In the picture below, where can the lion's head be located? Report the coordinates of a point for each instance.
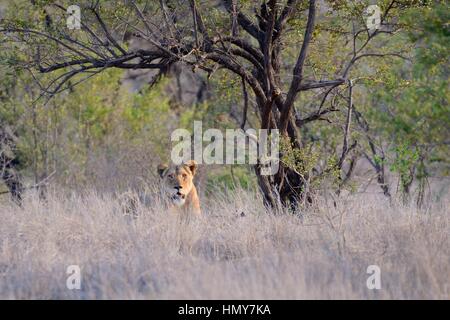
(178, 180)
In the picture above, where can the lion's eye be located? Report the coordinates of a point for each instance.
(184, 175)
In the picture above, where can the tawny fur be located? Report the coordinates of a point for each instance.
(178, 181)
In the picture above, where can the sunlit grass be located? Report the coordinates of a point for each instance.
(324, 253)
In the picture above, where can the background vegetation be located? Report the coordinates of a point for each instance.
(111, 130)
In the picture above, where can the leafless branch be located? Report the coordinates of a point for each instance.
(298, 69)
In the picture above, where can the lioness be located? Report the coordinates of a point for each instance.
(178, 181)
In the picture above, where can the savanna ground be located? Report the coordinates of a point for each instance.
(320, 253)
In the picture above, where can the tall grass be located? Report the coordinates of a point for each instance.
(321, 253)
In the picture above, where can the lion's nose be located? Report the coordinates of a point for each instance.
(178, 187)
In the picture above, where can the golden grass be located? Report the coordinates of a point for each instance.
(322, 254)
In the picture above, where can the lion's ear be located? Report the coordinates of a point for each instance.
(162, 168)
(192, 165)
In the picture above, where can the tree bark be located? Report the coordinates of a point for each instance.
(8, 165)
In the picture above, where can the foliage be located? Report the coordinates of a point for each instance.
(410, 104)
(75, 131)
(399, 75)
(306, 160)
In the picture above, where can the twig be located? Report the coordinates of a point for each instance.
(41, 183)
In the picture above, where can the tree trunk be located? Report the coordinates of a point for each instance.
(286, 187)
(8, 165)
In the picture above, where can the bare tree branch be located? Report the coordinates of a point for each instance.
(298, 69)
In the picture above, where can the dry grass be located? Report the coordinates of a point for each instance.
(323, 254)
